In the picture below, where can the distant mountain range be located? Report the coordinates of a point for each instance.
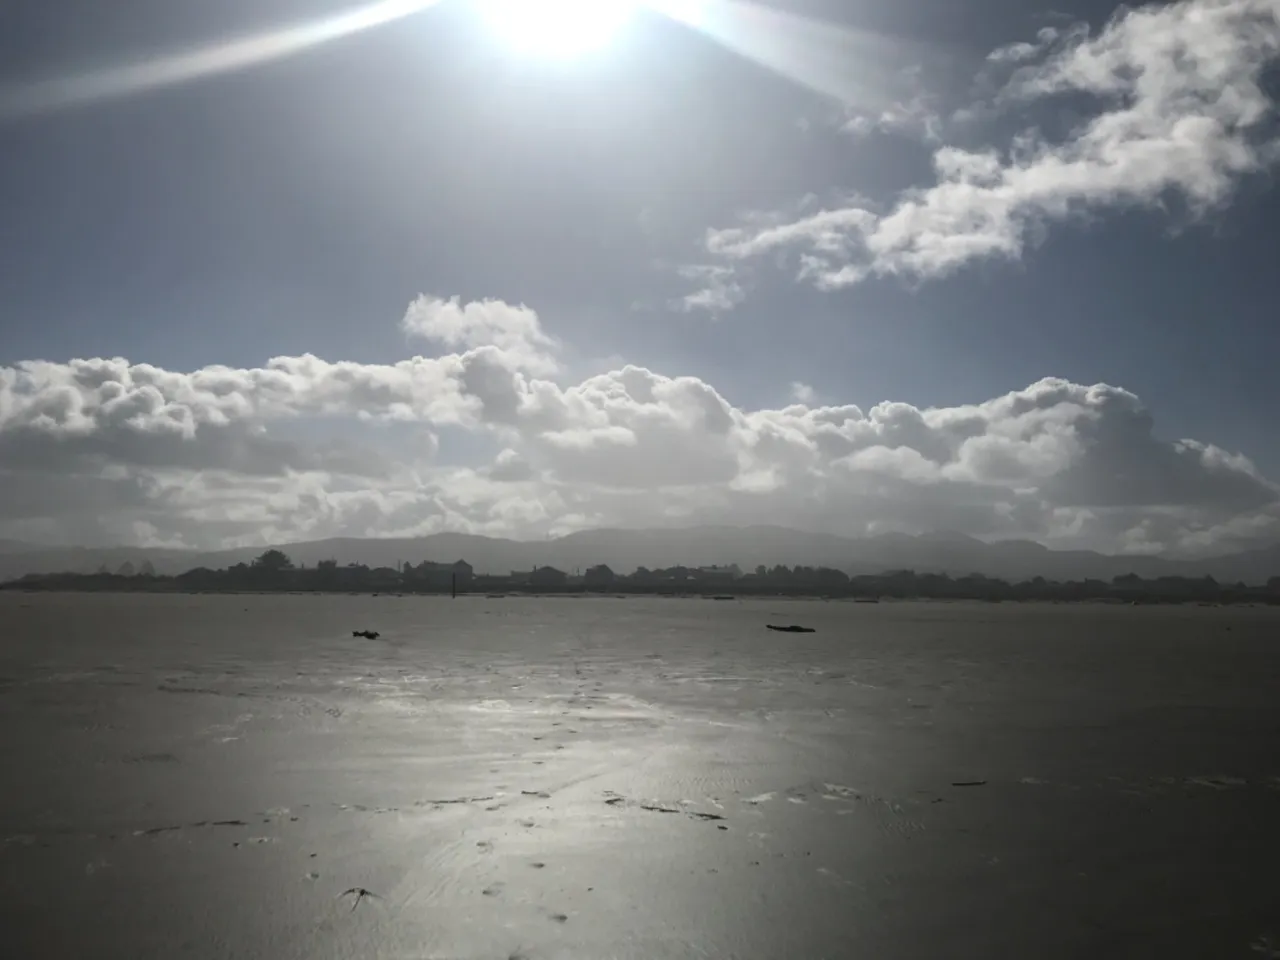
(624, 550)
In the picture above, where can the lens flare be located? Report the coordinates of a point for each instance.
(174, 68)
(861, 69)
(557, 28)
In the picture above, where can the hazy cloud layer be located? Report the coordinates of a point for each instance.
(104, 451)
(1179, 112)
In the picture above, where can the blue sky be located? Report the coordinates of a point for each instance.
(801, 207)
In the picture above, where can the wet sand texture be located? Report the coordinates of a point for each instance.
(643, 779)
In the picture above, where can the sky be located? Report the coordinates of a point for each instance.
(289, 269)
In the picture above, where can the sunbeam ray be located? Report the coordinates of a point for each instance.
(860, 69)
(59, 93)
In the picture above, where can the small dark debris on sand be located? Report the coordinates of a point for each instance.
(790, 629)
(359, 893)
(441, 803)
(155, 831)
(968, 783)
(618, 801)
(654, 808)
(367, 634)
(171, 828)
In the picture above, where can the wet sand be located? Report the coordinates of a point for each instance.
(641, 778)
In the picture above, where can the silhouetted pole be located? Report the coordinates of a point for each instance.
(454, 586)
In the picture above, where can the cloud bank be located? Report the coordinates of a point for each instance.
(1179, 113)
(106, 451)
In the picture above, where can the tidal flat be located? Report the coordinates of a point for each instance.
(645, 778)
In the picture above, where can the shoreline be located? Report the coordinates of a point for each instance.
(1252, 602)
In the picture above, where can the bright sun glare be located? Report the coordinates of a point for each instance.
(557, 28)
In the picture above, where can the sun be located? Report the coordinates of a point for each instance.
(557, 28)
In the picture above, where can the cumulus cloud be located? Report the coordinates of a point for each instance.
(108, 451)
(515, 331)
(509, 466)
(1180, 110)
(219, 416)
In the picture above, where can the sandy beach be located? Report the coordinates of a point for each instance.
(238, 776)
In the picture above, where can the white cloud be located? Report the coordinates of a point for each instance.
(802, 393)
(108, 451)
(719, 289)
(513, 330)
(143, 414)
(918, 116)
(1023, 51)
(1181, 112)
(509, 466)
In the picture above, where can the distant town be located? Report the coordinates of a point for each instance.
(275, 572)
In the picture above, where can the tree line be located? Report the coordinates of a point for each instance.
(274, 571)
